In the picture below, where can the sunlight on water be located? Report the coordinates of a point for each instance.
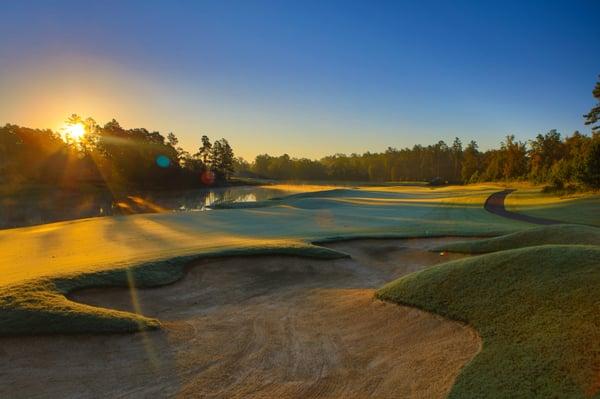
(216, 198)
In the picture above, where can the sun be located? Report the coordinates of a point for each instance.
(73, 131)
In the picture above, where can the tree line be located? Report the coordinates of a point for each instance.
(548, 158)
(110, 154)
(147, 159)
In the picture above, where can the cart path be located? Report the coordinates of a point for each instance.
(495, 205)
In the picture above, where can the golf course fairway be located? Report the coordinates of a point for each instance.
(490, 306)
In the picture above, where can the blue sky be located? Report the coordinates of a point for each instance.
(306, 78)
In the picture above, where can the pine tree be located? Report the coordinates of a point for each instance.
(204, 152)
(593, 117)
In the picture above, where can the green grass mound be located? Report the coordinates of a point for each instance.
(556, 234)
(41, 306)
(536, 309)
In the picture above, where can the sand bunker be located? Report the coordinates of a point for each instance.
(261, 327)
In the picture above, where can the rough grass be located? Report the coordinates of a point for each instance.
(536, 309)
(554, 234)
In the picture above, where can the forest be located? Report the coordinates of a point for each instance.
(548, 158)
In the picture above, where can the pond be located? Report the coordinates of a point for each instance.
(46, 206)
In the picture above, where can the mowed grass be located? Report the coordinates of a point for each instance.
(535, 307)
(39, 265)
(554, 234)
(576, 208)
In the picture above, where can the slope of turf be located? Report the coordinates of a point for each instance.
(555, 234)
(41, 306)
(536, 309)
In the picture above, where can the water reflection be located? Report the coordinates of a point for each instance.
(67, 205)
(215, 197)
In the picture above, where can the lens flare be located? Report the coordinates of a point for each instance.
(163, 161)
(208, 177)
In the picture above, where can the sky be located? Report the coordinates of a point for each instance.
(301, 77)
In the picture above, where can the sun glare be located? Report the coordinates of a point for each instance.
(74, 132)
